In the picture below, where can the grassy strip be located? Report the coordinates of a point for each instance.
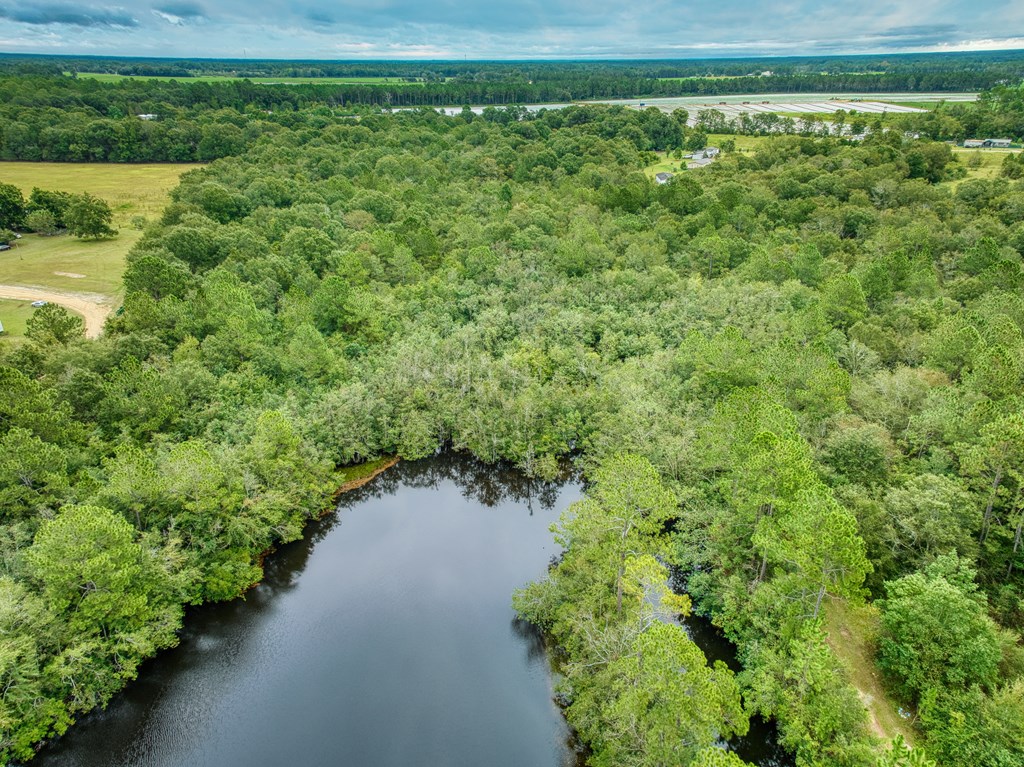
(113, 78)
(852, 634)
(351, 477)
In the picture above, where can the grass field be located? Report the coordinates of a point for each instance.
(14, 315)
(67, 263)
(989, 162)
(743, 143)
(665, 164)
(111, 78)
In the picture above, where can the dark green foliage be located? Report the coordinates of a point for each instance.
(53, 324)
(88, 217)
(12, 207)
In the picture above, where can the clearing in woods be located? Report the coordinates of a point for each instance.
(82, 270)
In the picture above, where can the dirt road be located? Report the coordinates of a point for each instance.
(91, 306)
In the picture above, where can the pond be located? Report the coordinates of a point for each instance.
(385, 637)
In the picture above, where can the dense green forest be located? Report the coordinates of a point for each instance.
(916, 71)
(47, 116)
(792, 377)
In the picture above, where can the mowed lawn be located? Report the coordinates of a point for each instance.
(89, 266)
(13, 316)
(111, 78)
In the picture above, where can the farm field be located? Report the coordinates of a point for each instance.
(912, 101)
(111, 78)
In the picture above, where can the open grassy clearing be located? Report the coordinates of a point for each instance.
(852, 633)
(83, 266)
(67, 263)
(980, 163)
(13, 316)
(112, 78)
(130, 190)
(743, 143)
(665, 164)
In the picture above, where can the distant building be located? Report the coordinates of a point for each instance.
(988, 143)
(146, 117)
(707, 154)
(663, 178)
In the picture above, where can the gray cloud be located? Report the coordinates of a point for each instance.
(62, 13)
(339, 29)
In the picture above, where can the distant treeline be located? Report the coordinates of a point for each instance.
(65, 119)
(986, 67)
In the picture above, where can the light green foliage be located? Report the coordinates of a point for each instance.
(33, 475)
(843, 301)
(717, 757)
(901, 755)
(929, 516)
(967, 728)
(96, 576)
(641, 691)
(657, 704)
(42, 221)
(936, 633)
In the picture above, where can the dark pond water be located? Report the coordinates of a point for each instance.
(385, 637)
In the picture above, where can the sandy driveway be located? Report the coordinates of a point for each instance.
(90, 306)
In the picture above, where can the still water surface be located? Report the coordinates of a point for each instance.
(386, 637)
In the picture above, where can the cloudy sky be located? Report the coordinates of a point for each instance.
(349, 29)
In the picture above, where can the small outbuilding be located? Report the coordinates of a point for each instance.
(663, 178)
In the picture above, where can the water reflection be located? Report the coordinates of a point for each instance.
(384, 638)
